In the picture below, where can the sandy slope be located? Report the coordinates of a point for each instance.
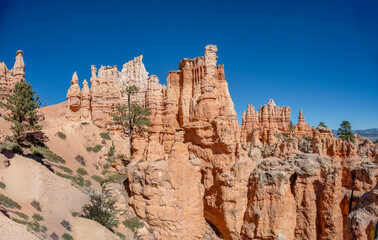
(11, 230)
(27, 181)
(85, 229)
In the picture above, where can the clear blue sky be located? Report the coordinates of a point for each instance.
(321, 56)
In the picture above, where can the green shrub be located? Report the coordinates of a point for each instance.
(75, 214)
(61, 135)
(89, 149)
(2, 185)
(43, 229)
(103, 142)
(105, 135)
(65, 169)
(34, 226)
(37, 217)
(54, 236)
(97, 179)
(7, 202)
(87, 183)
(66, 225)
(101, 211)
(79, 180)
(97, 148)
(80, 159)
(82, 171)
(36, 205)
(47, 153)
(67, 236)
(19, 221)
(22, 215)
(11, 146)
(133, 223)
(121, 236)
(114, 178)
(63, 175)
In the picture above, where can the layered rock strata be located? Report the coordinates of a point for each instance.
(192, 169)
(8, 78)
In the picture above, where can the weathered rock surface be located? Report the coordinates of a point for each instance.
(192, 170)
(8, 78)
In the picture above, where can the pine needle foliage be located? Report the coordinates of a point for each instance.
(101, 211)
(345, 131)
(23, 105)
(131, 117)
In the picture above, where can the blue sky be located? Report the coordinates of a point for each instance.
(319, 56)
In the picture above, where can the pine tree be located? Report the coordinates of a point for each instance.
(103, 212)
(345, 131)
(23, 106)
(322, 124)
(131, 117)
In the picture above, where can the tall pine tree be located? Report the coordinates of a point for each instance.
(345, 131)
(131, 117)
(23, 107)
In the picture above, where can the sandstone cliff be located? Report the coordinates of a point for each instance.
(194, 167)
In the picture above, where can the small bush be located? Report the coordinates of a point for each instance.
(97, 179)
(103, 142)
(61, 135)
(37, 206)
(2, 185)
(7, 202)
(82, 171)
(63, 175)
(22, 215)
(66, 225)
(43, 229)
(65, 169)
(11, 146)
(37, 217)
(101, 211)
(75, 214)
(67, 236)
(114, 178)
(121, 236)
(47, 153)
(89, 149)
(105, 135)
(34, 226)
(87, 183)
(54, 236)
(81, 159)
(97, 148)
(133, 223)
(79, 180)
(20, 221)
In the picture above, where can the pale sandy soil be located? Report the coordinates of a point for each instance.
(11, 230)
(28, 180)
(85, 229)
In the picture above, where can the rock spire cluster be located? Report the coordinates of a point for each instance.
(193, 166)
(8, 78)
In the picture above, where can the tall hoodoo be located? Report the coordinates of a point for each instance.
(8, 78)
(19, 66)
(302, 128)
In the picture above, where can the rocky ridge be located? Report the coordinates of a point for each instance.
(193, 169)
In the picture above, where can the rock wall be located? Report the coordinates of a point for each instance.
(192, 169)
(270, 119)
